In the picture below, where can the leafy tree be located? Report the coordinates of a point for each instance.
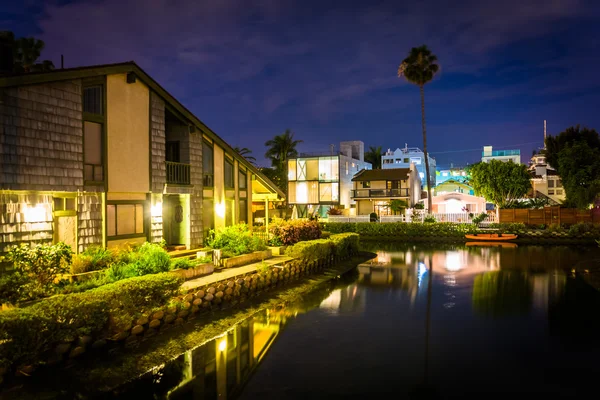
(276, 176)
(554, 144)
(26, 52)
(245, 152)
(373, 156)
(580, 173)
(281, 148)
(397, 206)
(575, 153)
(500, 182)
(419, 68)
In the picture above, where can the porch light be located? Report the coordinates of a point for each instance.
(36, 213)
(220, 209)
(156, 209)
(223, 344)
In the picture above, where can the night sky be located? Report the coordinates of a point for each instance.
(327, 69)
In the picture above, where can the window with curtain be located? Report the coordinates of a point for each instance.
(124, 219)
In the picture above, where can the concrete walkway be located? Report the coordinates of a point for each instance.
(229, 273)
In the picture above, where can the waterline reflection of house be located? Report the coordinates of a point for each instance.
(103, 155)
(455, 196)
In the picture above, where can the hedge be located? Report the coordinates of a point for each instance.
(323, 249)
(294, 231)
(27, 333)
(446, 229)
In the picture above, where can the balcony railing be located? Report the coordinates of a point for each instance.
(370, 193)
(178, 173)
(501, 153)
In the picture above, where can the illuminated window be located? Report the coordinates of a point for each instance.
(291, 170)
(312, 169)
(301, 171)
(366, 184)
(292, 192)
(325, 192)
(347, 167)
(329, 169)
(125, 219)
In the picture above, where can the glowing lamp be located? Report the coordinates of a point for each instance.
(220, 210)
(223, 344)
(156, 210)
(34, 214)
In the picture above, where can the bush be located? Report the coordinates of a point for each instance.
(334, 211)
(345, 244)
(182, 263)
(429, 219)
(291, 232)
(479, 218)
(325, 235)
(150, 258)
(438, 229)
(92, 259)
(311, 251)
(28, 333)
(236, 240)
(581, 228)
(37, 267)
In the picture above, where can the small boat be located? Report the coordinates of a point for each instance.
(491, 236)
(492, 244)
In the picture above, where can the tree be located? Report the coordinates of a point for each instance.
(500, 182)
(373, 156)
(580, 173)
(419, 68)
(26, 52)
(397, 206)
(554, 144)
(245, 152)
(575, 153)
(280, 148)
(276, 177)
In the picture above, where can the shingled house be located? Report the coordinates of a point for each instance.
(103, 155)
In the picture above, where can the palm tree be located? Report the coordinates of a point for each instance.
(245, 152)
(373, 156)
(419, 68)
(280, 148)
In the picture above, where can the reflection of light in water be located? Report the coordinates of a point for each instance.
(333, 301)
(454, 261)
(383, 257)
(421, 271)
(450, 280)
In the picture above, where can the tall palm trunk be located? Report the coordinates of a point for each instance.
(422, 87)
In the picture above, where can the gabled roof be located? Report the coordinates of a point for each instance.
(393, 174)
(34, 78)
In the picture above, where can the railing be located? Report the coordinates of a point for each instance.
(368, 193)
(341, 218)
(501, 153)
(178, 173)
(456, 218)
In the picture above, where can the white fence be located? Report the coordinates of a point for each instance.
(457, 218)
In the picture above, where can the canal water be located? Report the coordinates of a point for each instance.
(418, 321)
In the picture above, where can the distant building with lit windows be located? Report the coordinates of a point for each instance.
(402, 158)
(501, 155)
(317, 182)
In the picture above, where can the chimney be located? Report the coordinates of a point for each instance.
(7, 43)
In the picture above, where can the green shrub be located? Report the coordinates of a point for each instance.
(438, 229)
(429, 219)
(294, 231)
(236, 240)
(93, 258)
(325, 235)
(203, 260)
(345, 243)
(29, 332)
(182, 263)
(12, 286)
(582, 228)
(38, 267)
(275, 241)
(151, 258)
(311, 251)
(479, 218)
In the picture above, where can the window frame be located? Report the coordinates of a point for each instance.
(366, 184)
(204, 173)
(228, 160)
(244, 173)
(116, 203)
(98, 119)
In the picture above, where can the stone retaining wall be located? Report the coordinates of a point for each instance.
(187, 306)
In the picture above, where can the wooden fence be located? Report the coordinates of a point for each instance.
(550, 215)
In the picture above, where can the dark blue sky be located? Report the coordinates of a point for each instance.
(327, 69)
